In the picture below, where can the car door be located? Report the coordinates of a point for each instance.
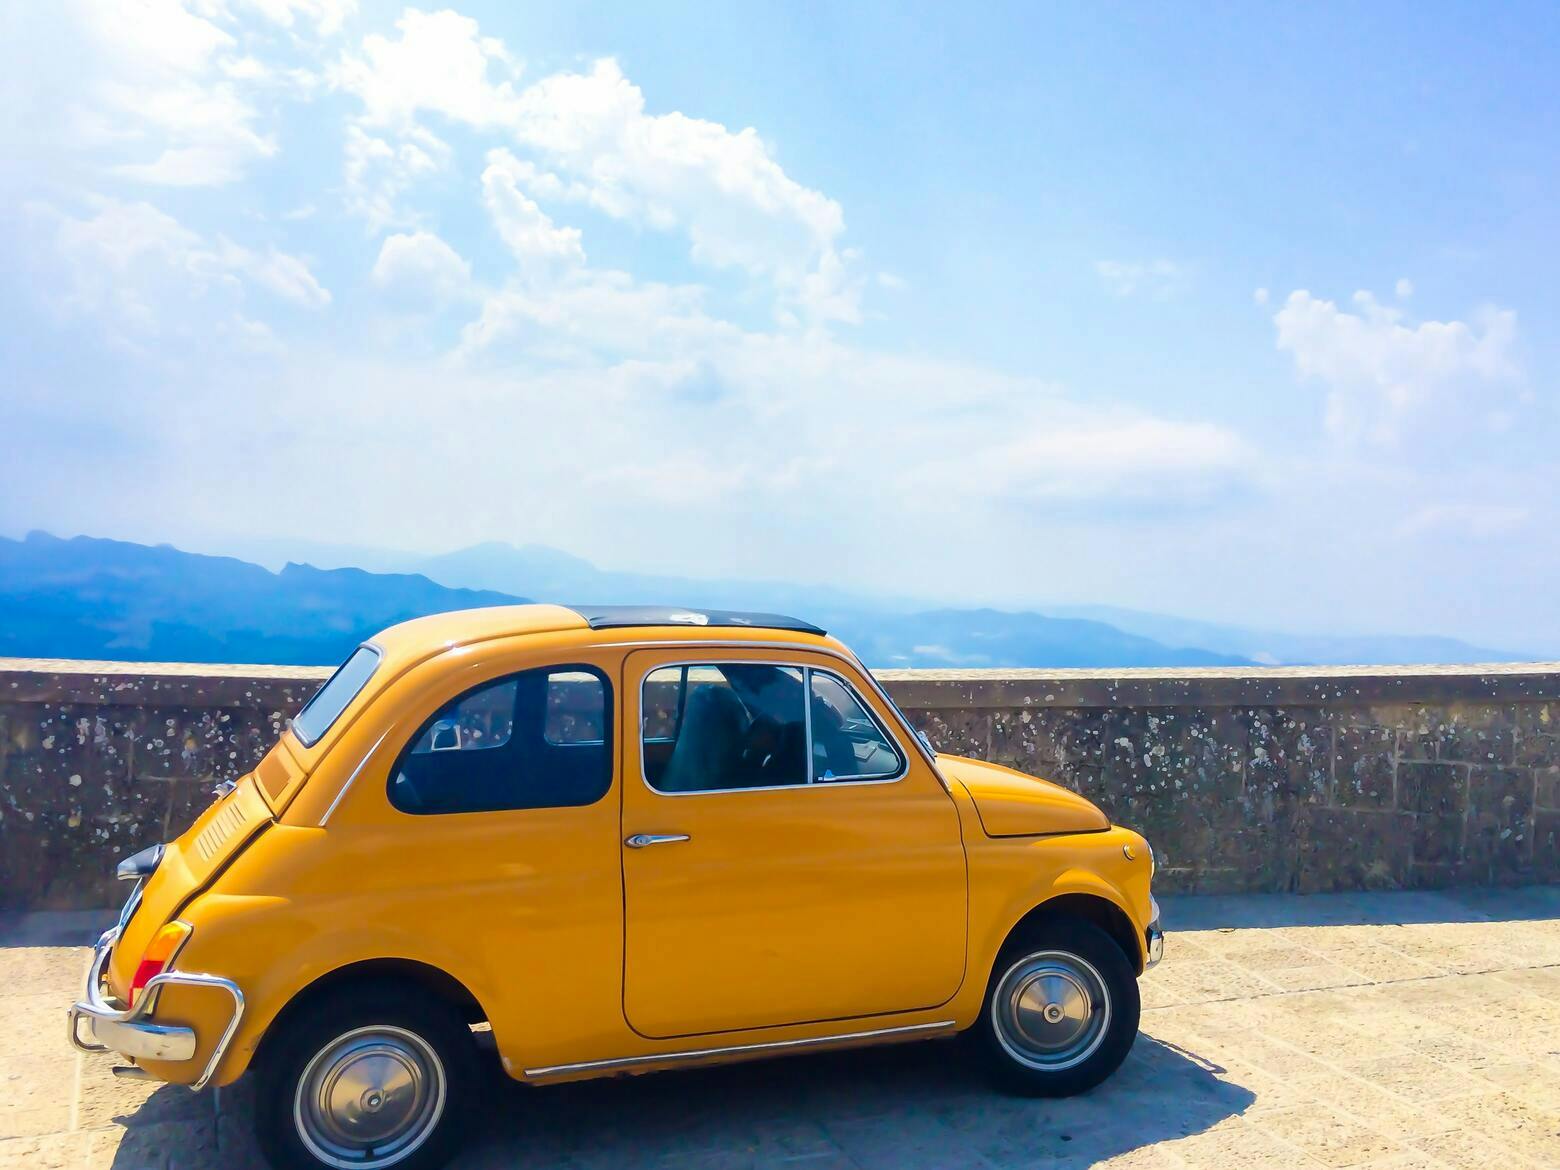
(784, 861)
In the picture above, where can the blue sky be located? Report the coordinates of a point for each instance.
(1239, 314)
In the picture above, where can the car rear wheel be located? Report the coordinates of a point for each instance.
(364, 1080)
(1061, 1010)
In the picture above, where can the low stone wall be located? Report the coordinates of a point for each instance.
(1259, 780)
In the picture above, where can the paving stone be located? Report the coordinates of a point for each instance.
(1262, 1046)
(1463, 1149)
(55, 1151)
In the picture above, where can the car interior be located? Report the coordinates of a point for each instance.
(744, 725)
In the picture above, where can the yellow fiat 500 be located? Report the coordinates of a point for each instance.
(623, 839)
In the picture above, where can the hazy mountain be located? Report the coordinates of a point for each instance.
(884, 631)
(989, 637)
(90, 598)
(908, 631)
(549, 574)
(1272, 647)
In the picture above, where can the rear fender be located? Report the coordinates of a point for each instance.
(264, 946)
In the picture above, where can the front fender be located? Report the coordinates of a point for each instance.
(1009, 879)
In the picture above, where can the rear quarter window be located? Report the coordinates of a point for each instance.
(540, 738)
(332, 699)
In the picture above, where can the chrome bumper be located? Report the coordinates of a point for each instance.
(1155, 937)
(128, 1032)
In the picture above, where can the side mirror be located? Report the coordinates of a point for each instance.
(926, 741)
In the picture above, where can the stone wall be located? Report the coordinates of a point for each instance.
(1285, 779)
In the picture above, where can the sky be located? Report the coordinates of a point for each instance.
(1242, 313)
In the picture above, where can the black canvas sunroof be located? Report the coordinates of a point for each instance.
(612, 617)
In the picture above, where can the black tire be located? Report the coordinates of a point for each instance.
(380, 1056)
(1079, 1016)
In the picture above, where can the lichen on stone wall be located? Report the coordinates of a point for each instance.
(1244, 781)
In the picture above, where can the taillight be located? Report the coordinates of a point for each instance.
(159, 953)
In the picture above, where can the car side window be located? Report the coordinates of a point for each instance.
(848, 743)
(723, 726)
(482, 721)
(537, 739)
(576, 709)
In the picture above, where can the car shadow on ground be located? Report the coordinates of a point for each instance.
(895, 1108)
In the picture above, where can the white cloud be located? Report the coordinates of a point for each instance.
(725, 189)
(528, 230)
(1060, 456)
(439, 64)
(421, 266)
(378, 173)
(112, 255)
(1382, 373)
(156, 104)
(591, 315)
(327, 16)
(1153, 278)
(1260, 296)
(286, 276)
(589, 139)
(1404, 288)
(167, 93)
(744, 439)
(1456, 521)
(139, 270)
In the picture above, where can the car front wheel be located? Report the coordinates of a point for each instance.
(366, 1081)
(1061, 1010)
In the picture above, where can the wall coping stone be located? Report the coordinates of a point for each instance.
(1225, 686)
(222, 684)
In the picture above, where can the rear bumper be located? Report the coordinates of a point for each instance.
(1154, 937)
(127, 1031)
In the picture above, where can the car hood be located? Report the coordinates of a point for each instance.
(1011, 804)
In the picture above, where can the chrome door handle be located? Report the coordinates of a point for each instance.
(640, 840)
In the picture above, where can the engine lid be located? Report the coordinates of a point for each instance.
(187, 864)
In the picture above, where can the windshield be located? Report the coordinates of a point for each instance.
(332, 698)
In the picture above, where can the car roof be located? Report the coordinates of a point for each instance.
(462, 627)
(615, 617)
(411, 642)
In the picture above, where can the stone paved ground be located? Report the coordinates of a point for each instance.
(1382, 1030)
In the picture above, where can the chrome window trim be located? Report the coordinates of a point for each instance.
(807, 738)
(926, 754)
(860, 699)
(363, 763)
(379, 660)
(805, 669)
(763, 1046)
(610, 697)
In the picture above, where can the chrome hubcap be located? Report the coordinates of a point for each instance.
(1051, 1010)
(370, 1097)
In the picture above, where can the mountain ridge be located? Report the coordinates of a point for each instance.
(91, 597)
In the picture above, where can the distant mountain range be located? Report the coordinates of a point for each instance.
(90, 598)
(1272, 648)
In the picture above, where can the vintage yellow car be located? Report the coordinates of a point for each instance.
(603, 841)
